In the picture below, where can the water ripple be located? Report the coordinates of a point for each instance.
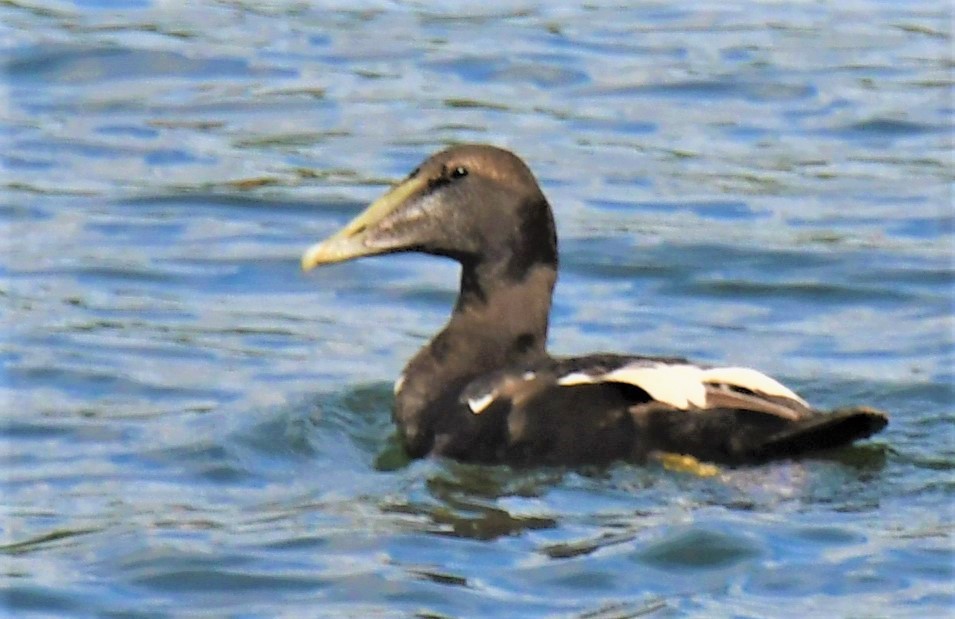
(193, 427)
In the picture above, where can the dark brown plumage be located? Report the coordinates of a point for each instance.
(485, 389)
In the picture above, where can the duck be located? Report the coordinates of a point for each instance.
(486, 390)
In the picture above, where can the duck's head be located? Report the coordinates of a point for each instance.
(477, 204)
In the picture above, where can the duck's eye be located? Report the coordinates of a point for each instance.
(447, 176)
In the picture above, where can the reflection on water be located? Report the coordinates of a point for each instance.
(194, 427)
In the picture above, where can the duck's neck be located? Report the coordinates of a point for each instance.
(498, 321)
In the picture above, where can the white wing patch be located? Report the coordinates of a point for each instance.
(750, 379)
(676, 385)
(578, 378)
(683, 385)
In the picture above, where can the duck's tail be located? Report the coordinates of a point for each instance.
(840, 427)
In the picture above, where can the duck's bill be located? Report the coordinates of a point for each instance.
(359, 238)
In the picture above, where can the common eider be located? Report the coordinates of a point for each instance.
(486, 390)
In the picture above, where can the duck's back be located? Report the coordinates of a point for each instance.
(601, 408)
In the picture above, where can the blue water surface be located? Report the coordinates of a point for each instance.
(194, 428)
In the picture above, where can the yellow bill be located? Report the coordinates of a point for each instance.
(351, 241)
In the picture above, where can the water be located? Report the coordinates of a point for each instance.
(194, 428)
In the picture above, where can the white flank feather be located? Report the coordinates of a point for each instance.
(399, 384)
(477, 405)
